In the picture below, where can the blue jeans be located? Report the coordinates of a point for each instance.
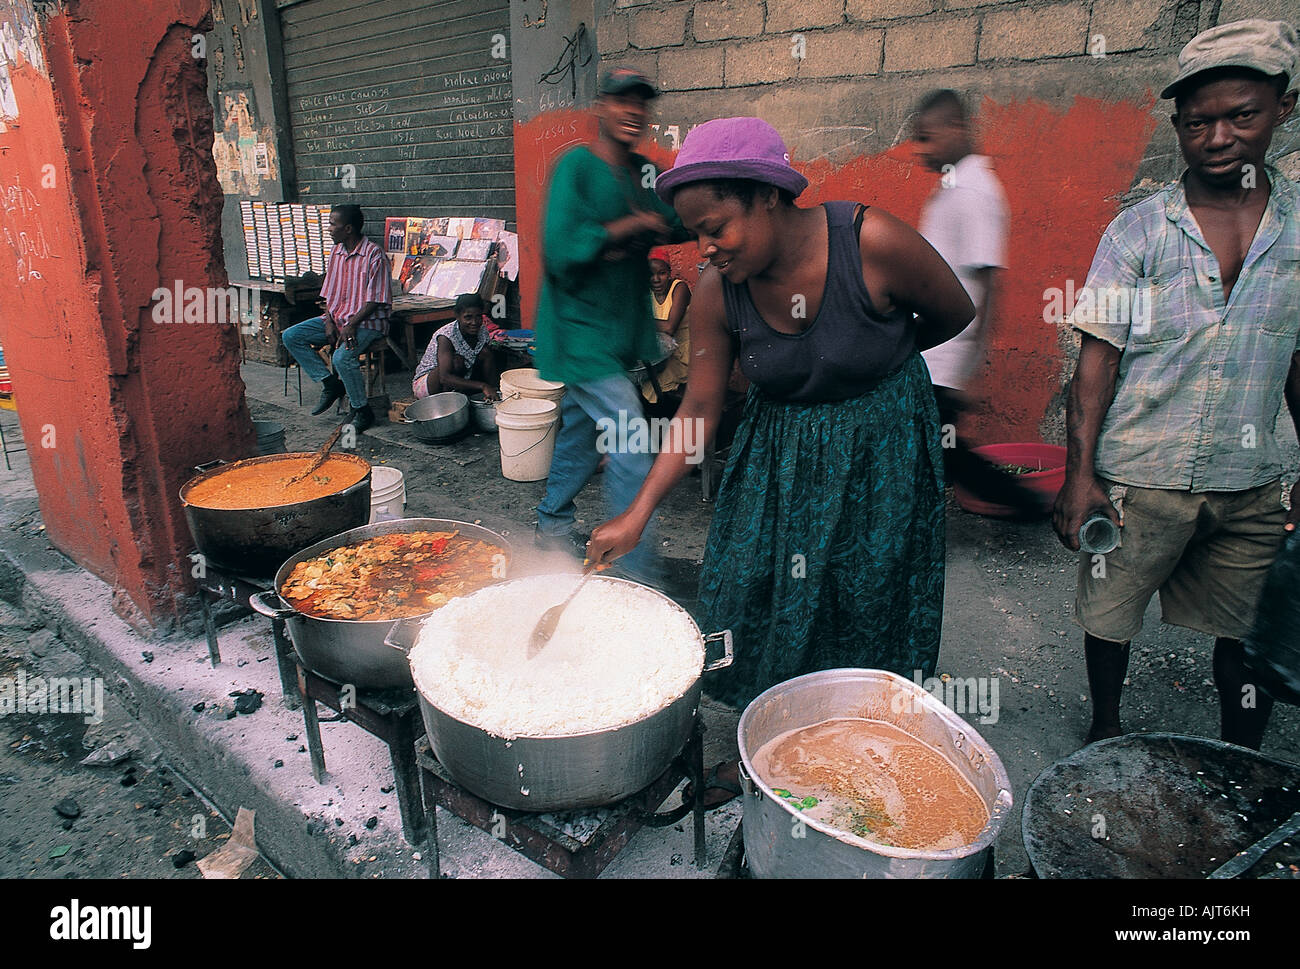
(576, 459)
(301, 340)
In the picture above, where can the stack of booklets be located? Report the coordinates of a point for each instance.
(285, 241)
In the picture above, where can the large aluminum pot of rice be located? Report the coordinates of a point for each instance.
(594, 717)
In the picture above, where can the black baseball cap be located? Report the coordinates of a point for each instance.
(620, 80)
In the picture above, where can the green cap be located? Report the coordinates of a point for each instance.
(1268, 46)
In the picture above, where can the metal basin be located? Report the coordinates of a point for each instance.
(570, 771)
(254, 541)
(353, 650)
(1157, 805)
(823, 851)
(438, 417)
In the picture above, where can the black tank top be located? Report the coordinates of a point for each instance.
(847, 349)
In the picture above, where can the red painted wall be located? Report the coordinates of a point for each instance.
(111, 157)
(1063, 171)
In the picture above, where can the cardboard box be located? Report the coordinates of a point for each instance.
(397, 412)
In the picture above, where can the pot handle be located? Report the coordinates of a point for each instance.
(402, 634)
(209, 465)
(262, 602)
(727, 654)
(746, 782)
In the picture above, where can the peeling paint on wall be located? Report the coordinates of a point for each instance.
(19, 40)
(245, 154)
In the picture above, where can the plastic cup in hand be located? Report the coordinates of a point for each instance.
(1098, 535)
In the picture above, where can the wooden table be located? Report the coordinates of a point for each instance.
(410, 310)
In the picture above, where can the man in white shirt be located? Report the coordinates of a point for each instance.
(965, 219)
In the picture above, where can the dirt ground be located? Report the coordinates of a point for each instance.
(134, 816)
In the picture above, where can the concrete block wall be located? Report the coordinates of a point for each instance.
(1065, 96)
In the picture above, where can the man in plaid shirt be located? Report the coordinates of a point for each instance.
(1189, 344)
(357, 293)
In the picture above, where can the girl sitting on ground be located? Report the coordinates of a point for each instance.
(459, 357)
(669, 299)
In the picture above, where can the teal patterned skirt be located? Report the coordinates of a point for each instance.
(827, 543)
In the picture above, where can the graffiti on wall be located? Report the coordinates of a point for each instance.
(575, 53)
(24, 232)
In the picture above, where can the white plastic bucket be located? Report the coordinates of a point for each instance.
(387, 493)
(527, 428)
(528, 384)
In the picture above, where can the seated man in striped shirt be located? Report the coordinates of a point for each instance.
(358, 294)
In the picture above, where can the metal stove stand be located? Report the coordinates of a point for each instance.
(391, 715)
(218, 583)
(597, 834)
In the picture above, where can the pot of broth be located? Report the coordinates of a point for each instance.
(245, 518)
(863, 774)
(340, 597)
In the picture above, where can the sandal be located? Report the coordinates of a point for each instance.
(712, 783)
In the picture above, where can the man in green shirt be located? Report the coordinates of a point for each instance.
(594, 321)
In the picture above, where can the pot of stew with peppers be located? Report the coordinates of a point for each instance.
(340, 597)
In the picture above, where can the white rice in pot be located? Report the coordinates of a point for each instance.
(619, 654)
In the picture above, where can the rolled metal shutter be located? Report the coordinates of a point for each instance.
(410, 95)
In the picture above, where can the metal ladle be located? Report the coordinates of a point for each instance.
(545, 627)
(320, 457)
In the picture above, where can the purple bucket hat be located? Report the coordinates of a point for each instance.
(732, 148)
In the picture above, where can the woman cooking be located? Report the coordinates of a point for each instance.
(827, 543)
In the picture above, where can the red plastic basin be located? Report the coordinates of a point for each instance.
(1047, 482)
